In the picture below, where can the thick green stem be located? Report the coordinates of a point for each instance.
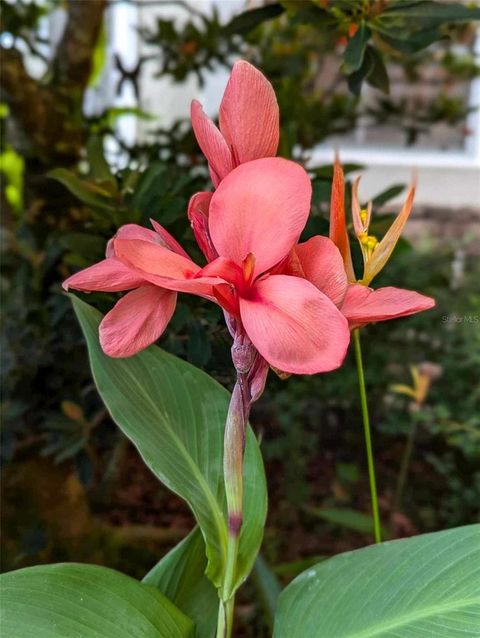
(225, 618)
(368, 436)
(221, 620)
(234, 448)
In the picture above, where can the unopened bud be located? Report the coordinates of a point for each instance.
(243, 355)
(258, 377)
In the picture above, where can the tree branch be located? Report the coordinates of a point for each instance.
(73, 58)
(45, 111)
(30, 103)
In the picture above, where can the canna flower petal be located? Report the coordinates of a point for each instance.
(154, 259)
(320, 261)
(109, 275)
(260, 208)
(134, 231)
(362, 305)
(224, 268)
(165, 239)
(338, 225)
(164, 268)
(249, 114)
(198, 215)
(294, 326)
(137, 320)
(158, 236)
(384, 249)
(212, 143)
(131, 231)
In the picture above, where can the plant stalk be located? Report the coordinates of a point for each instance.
(234, 449)
(225, 618)
(368, 436)
(405, 464)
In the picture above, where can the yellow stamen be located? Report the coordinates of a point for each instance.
(368, 242)
(248, 267)
(364, 215)
(363, 238)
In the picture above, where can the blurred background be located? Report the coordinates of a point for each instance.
(94, 108)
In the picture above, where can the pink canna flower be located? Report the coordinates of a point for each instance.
(249, 130)
(327, 264)
(140, 317)
(319, 261)
(363, 305)
(198, 216)
(248, 121)
(255, 219)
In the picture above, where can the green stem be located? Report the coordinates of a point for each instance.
(402, 475)
(226, 609)
(234, 448)
(221, 620)
(225, 618)
(368, 436)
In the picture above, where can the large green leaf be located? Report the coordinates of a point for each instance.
(85, 601)
(175, 416)
(422, 587)
(180, 575)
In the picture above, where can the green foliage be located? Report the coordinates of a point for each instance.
(248, 20)
(373, 28)
(267, 586)
(315, 55)
(87, 192)
(346, 518)
(99, 58)
(296, 42)
(194, 47)
(12, 166)
(355, 51)
(423, 586)
(20, 19)
(312, 418)
(180, 575)
(60, 601)
(175, 415)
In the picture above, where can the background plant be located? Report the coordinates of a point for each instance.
(70, 200)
